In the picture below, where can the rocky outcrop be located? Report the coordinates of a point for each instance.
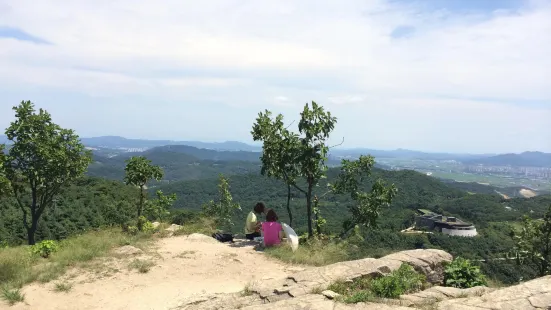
(308, 289)
(298, 289)
(427, 262)
(534, 294)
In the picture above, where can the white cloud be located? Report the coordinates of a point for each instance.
(205, 52)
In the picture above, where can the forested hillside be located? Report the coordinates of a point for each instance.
(180, 162)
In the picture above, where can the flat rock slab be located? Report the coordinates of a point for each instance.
(534, 294)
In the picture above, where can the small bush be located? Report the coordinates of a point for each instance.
(45, 248)
(148, 227)
(12, 296)
(462, 274)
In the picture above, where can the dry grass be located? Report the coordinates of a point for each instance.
(203, 225)
(19, 267)
(314, 252)
(143, 266)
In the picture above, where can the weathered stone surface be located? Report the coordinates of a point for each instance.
(428, 262)
(534, 294)
(155, 224)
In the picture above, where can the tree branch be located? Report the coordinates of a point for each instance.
(337, 144)
(290, 124)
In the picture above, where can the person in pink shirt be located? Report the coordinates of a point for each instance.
(271, 229)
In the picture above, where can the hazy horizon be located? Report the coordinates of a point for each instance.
(448, 76)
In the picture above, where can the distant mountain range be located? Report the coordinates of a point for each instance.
(116, 142)
(526, 159)
(112, 145)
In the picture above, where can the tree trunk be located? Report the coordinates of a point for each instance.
(289, 205)
(140, 206)
(309, 208)
(32, 230)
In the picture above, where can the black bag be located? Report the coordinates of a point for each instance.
(223, 237)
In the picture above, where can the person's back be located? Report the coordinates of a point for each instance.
(271, 229)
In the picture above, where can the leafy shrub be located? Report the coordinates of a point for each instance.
(132, 230)
(462, 274)
(45, 248)
(399, 282)
(148, 227)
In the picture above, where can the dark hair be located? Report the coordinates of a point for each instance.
(259, 207)
(271, 216)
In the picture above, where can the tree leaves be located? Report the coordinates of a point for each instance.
(368, 206)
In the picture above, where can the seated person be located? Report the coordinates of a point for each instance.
(252, 225)
(271, 229)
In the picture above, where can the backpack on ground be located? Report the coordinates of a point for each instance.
(223, 237)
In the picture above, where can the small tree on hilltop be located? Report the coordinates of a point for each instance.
(279, 152)
(223, 210)
(307, 152)
(43, 158)
(533, 243)
(139, 171)
(368, 205)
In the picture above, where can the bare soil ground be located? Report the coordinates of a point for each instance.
(182, 267)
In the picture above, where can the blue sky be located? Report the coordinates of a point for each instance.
(433, 75)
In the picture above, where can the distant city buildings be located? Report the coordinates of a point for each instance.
(447, 225)
(529, 172)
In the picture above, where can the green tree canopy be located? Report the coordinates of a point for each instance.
(43, 158)
(289, 156)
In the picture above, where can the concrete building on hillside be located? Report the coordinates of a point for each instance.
(447, 225)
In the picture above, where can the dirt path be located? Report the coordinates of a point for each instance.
(183, 268)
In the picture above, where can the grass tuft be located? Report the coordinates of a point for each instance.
(143, 266)
(63, 287)
(12, 296)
